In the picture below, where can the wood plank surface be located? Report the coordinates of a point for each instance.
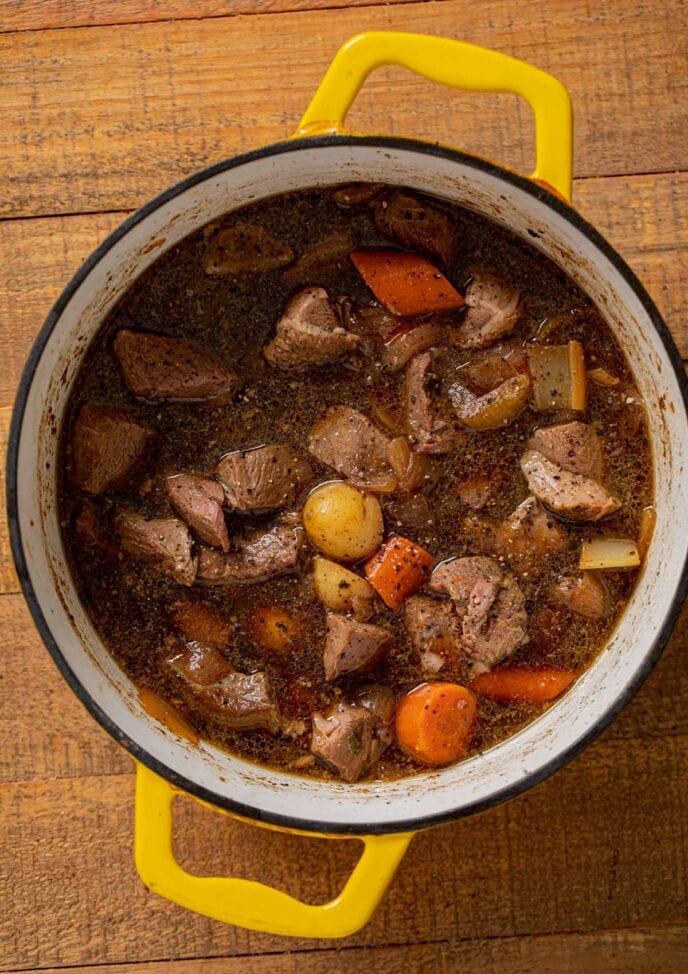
(656, 951)
(67, 869)
(79, 136)
(44, 14)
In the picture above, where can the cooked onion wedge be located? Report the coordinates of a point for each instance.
(600, 553)
(497, 408)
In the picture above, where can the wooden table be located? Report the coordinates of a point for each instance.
(104, 104)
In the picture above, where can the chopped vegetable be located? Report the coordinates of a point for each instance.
(494, 409)
(164, 713)
(435, 722)
(539, 685)
(585, 594)
(648, 520)
(558, 373)
(411, 468)
(200, 624)
(343, 522)
(609, 553)
(398, 570)
(406, 284)
(274, 628)
(602, 377)
(342, 590)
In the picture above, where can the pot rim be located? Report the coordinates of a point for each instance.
(138, 752)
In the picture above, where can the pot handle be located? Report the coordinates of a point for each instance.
(457, 65)
(244, 902)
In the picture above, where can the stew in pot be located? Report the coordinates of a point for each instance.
(354, 483)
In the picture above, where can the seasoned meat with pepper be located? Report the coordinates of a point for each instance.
(199, 664)
(410, 221)
(530, 536)
(428, 416)
(342, 739)
(490, 606)
(160, 367)
(575, 446)
(262, 556)
(263, 478)
(435, 634)
(308, 333)
(348, 441)
(107, 443)
(198, 501)
(324, 257)
(584, 593)
(569, 495)
(492, 310)
(352, 647)
(245, 248)
(164, 543)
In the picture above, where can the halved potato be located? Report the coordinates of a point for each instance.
(342, 590)
(343, 522)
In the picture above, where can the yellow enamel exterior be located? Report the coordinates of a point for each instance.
(456, 65)
(250, 904)
(244, 902)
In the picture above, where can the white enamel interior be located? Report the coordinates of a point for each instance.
(333, 806)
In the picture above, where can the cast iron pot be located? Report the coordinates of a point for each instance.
(384, 815)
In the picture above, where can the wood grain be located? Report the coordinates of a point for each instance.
(78, 136)
(66, 742)
(45, 14)
(651, 951)
(498, 874)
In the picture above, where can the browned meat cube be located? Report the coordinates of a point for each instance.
(475, 491)
(435, 634)
(429, 417)
(575, 446)
(245, 249)
(199, 624)
(400, 348)
(164, 543)
(324, 257)
(308, 333)
(410, 221)
(347, 441)
(381, 704)
(492, 310)
(199, 664)
(160, 367)
(262, 556)
(569, 495)
(585, 594)
(106, 444)
(198, 500)
(529, 536)
(490, 606)
(343, 740)
(263, 478)
(352, 647)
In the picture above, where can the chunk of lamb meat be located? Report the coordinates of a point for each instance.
(323, 257)
(240, 701)
(435, 635)
(380, 703)
(490, 606)
(342, 740)
(261, 557)
(428, 418)
(585, 594)
(245, 249)
(347, 441)
(351, 646)
(164, 543)
(309, 333)
(161, 367)
(408, 340)
(413, 223)
(529, 536)
(492, 311)
(198, 500)
(263, 478)
(568, 495)
(106, 445)
(575, 446)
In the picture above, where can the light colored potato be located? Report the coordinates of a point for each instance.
(342, 590)
(343, 522)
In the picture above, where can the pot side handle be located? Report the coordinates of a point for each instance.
(244, 902)
(455, 64)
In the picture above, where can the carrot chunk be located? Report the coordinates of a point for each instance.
(405, 283)
(538, 685)
(274, 628)
(435, 722)
(398, 569)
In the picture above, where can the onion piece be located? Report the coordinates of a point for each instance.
(600, 553)
(409, 339)
(558, 373)
(602, 377)
(648, 520)
(577, 370)
(494, 409)
(409, 466)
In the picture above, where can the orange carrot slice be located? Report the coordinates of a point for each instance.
(435, 722)
(539, 685)
(398, 569)
(405, 283)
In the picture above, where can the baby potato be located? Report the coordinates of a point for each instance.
(274, 628)
(342, 590)
(343, 522)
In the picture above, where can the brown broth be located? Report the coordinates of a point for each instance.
(233, 318)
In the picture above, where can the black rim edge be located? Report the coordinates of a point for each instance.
(139, 753)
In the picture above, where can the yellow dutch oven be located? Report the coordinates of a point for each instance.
(384, 815)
